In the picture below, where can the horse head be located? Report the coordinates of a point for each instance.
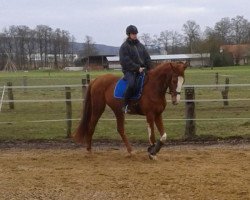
(177, 80)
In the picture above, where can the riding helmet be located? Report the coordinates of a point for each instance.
(131, 29)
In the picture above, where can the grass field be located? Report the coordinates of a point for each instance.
(22, 126)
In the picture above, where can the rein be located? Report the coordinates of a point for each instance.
(146, 79)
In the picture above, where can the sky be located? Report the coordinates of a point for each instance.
(106, 20)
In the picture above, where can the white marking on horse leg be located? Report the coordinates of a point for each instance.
(149, 135)
(178, 89)
(163, 137)
(152, 157)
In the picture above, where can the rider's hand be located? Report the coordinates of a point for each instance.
(141, 69)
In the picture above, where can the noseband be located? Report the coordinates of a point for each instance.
(171, 91)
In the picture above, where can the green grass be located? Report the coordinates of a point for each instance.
(20, 119)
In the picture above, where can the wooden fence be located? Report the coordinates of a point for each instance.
(190, 116)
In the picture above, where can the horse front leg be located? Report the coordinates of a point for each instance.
(160, 127)
(151, 136)
(155, 148)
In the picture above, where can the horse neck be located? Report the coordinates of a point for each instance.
(159, 79)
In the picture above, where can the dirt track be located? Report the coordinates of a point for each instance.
(181, 172)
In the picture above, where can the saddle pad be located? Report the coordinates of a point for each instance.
(121, 86)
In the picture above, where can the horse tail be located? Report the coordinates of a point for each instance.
(83, 127)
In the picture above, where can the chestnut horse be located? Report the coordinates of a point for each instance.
(169, 75)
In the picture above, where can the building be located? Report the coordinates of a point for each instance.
(239, 52)
(96, 62)
(196, 60)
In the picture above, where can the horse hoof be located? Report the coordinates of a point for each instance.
(130, 154)
(151, 149)
(152, 157)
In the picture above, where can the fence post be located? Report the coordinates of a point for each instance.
(190, 129)
(68, 110)
(24, 84)
(84, 86)
(224, 93)
(88, 78)
(85, 82)
(10, 95)
(216, 79)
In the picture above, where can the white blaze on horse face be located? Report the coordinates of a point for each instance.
(163, 137)
(178, 89)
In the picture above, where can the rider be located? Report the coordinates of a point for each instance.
(134, 59)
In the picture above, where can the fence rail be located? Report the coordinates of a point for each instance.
(80, 100)
(85, 85)
(127, 119)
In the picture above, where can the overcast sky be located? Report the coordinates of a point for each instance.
(106, 20)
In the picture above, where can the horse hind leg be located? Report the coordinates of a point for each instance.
(120, 128)
(95, 116)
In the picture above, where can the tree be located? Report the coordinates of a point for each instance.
(240, 29)
(56, 49)
(31, 47)
(71, 48)
(65, 46)
(146, 40)
(165, 37)
(20, 45)
(89, 48)
(44, 36)
(156, 45)
(223, 29)
(176, 41)
(192, 32)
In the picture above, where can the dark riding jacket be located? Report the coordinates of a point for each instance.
(134, 55)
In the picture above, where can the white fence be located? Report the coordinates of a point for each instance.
(4, 88)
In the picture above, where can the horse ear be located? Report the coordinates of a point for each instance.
(172, 65)
(186, 64)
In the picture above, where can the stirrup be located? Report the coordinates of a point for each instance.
(125, 109)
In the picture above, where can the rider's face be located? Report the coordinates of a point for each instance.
(133, 36)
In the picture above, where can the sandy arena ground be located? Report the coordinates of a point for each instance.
(181, 172)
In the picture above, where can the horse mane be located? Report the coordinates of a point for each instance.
(160, 69)
(177, 67)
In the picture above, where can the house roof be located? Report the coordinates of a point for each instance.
(169, 57)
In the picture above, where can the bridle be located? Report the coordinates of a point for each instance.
(171, 92)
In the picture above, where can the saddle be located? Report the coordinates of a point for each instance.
(121, 86)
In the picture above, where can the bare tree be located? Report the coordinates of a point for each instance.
(22, 35)
(31, 47)
(165, 37)
(239, 29)
(43, 37)
(89, 48)
(156, 44)
(192, 33)
(223, 29)
(65, 46)
(71, 48)
(146, 40)
(20, 45)
(56, 50)
(176, 41)
(9, 46)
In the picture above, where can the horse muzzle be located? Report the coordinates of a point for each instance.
(176, 99)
